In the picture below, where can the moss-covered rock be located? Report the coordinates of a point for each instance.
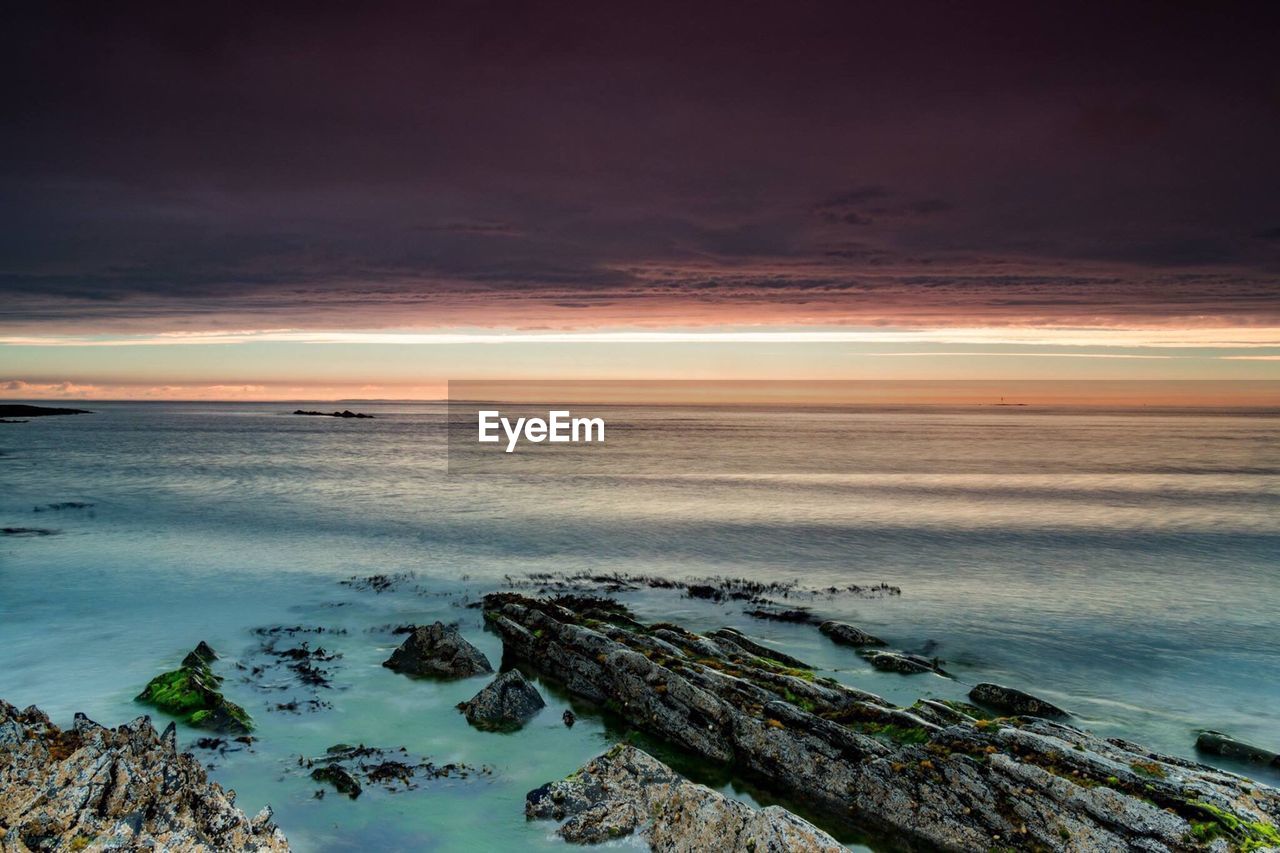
(191, 693)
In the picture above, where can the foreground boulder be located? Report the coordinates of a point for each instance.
(1217, 743)
(848, 635)
(191, 693)
(931, 777)
(628, 792)
(507, 702)
(128, 788)
(1013, 701)
(438, 650)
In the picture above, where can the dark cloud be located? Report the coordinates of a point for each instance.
(161, 161)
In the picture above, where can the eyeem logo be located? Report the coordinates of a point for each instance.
(560, 427)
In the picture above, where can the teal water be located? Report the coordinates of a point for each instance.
(1125, 565)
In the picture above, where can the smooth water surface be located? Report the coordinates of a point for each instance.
(1125, 565)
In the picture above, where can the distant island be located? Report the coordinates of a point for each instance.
(345, 413)
(14, 410)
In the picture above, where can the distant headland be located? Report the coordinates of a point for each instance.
(345, 413)
(14, 410)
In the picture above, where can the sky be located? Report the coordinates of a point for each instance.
(332, 200)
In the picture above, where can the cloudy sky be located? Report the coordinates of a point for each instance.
(365, 200)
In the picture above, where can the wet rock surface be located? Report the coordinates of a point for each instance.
(192, 692)
(848, 635)
(438, 650)
(128, 788)
(1217, 743)
(901, 662)
(1013, 701)
(627, 792)
(505, 703)
(931, 777)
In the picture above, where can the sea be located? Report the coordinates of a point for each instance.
(1122, 563)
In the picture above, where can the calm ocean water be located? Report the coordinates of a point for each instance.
(1125, 565)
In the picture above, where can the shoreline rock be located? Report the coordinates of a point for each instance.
(129, 788)
(1217, 743)
(438, 650)
(848, 635)
(961, 784)
(627, 792)
(504, 704)
(1014, 701)
(191, 694)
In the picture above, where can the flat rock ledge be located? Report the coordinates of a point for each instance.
(627, 792)
(438, 650)
(933, 776)
(128, 788)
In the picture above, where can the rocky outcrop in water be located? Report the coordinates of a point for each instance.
(628, 792)
(903, 663)
(16, 410)
(345, 413)
(930, 777)
(1013, 701)
(192, 693)
(94, 788)
(1217, 743)
(848, 635)
(438, 650)
(505, 703)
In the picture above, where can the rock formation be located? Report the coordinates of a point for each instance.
(438, 650)
(1013, 701)
(507, 702)
(932, 776)
(191, 692)
(128, 788)
(628, 792)
(848, 635)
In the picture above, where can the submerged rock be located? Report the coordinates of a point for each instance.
(903, 663)
(438, 650)
(1217, 743)
(742, 641)
(507, 702)
(966, 784)
(349, 768)
(848, 635)
(128, 788)
(628, 792)
(191, 693)
(1013, 701)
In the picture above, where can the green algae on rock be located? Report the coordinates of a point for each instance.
(191, 693)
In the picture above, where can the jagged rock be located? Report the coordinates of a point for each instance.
(1217, 743)
(438, 650)
(507, 702)
(191, 693)
(626, 792)
(848, 635)
(903, 663)
(128, 788)
(1013, 701)
(971, 785)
